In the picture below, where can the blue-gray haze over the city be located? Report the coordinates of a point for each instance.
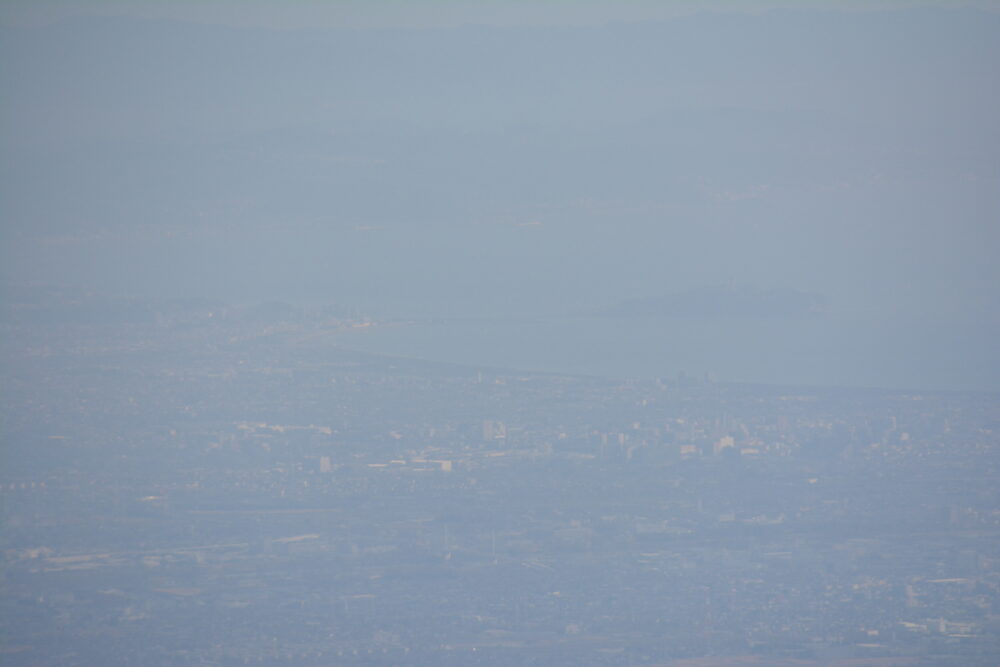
(529, 162)
(637, 333)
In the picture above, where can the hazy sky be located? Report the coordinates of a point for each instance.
(506, 158)
(423, 13)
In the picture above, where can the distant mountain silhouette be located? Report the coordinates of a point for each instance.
(724, 302)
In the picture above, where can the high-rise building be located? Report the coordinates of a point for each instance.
(494, 430)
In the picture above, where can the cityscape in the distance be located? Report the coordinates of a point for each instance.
(225, 488)
(438, 333)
